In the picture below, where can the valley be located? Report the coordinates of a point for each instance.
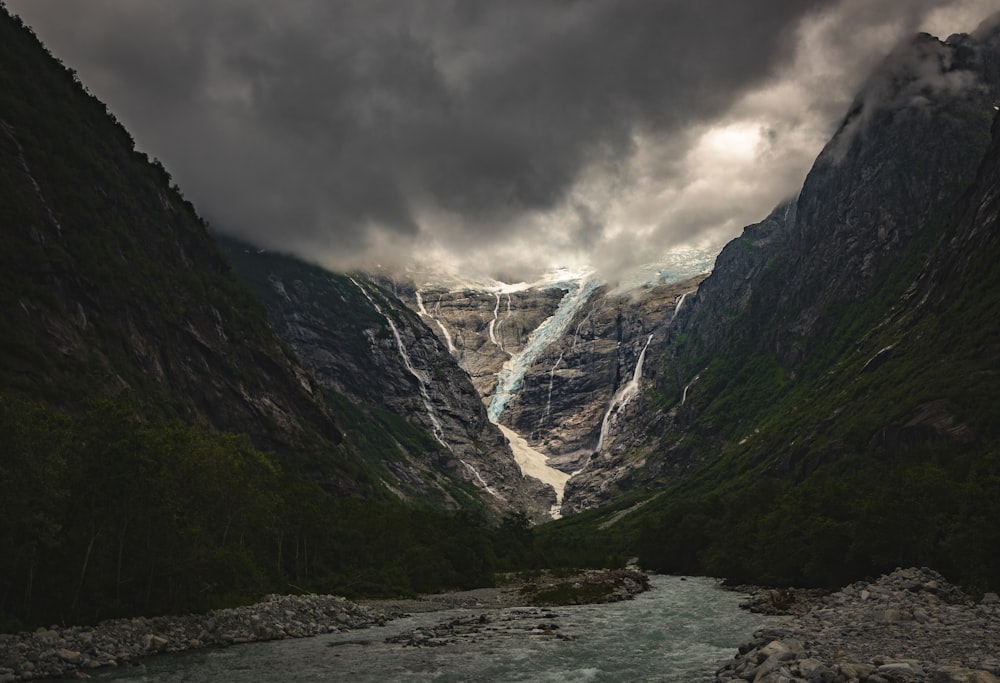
(193, 417)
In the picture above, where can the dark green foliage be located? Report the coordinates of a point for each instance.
(161, 450)
(107, 513)
(108, 277)
(840, 524)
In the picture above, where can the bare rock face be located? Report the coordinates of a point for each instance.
(359, 340)
(558, 363)
(483, 329)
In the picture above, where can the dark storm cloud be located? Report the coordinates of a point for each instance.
(340, 126)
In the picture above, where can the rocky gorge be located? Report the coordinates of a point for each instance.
(358, 340)
(558, 361)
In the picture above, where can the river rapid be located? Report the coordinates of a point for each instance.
(680, 630)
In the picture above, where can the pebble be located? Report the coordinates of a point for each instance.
(906, 627)
(69, 652)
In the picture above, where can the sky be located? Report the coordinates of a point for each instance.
(489, 137)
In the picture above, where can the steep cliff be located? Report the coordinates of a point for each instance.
(358, 340)
(559, 361)
(797, 292)
(108, 280)
(824, 408)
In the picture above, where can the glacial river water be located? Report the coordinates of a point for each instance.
(681, 630)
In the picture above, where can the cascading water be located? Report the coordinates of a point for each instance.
(552, 371)
(493, 323)
(623, 396)
(684, 396)
(627, 392)
(437, 429)
(677, 308)
(408, 364)
(27, 171)
(444, 330)
(548, 400)
(511, 376)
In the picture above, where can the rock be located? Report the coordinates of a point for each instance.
(899, 668)
(70, 652)
(928, 626)
(71, 656)
(153, 643)
(781, 650)
(958, 674)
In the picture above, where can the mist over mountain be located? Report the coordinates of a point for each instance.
(502, 139)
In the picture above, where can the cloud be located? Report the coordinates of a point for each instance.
(495, 136)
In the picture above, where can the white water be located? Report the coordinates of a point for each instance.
(479, 478)
(444, 330)
(27, 171)
(492, 327)
(418, 375)
(680, 304)
(438, 431)
(684, 396)
(627, 392)
(512, 374)
(535, 464)
(682, 631)
(548, 401)
(623, 396)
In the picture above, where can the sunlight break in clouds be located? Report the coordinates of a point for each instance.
(492, 137)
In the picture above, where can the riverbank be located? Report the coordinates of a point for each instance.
(71, 652)
(910, 625)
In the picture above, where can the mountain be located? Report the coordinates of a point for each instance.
(558, 361)
(358, 340)
(109, 280)
(162, 449)
(824, 407)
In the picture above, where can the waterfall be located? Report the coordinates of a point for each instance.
(492, 327)
(623, 396)
(437, 430)
(7, 128)
(626, 393)
(444, 330)
(677, 308)
(405, 356)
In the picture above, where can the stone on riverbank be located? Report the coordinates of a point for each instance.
(67, 652)
(908, 626)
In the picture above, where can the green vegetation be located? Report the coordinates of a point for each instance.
(878, 447)
(570, 593)
(109, 514)
(159, 452)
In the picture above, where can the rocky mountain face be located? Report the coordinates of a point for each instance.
(557, 362)
(108, 279)
(795, 293)
(358, 340)
(162, 449)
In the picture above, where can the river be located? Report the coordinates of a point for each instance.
(680, 630)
